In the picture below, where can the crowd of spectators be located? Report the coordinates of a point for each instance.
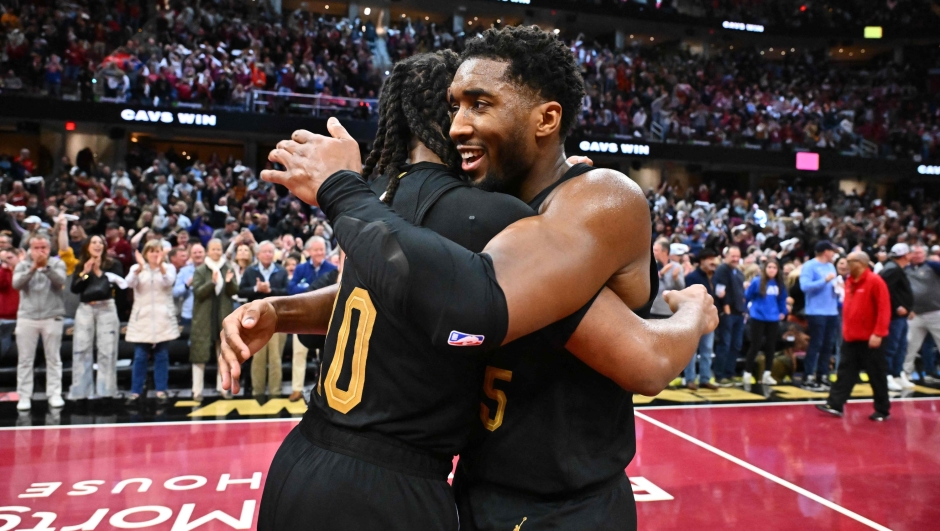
(829, 14)
(209, 54)
(780, 260)
(740, 98)
(217, 53)
(160, 245)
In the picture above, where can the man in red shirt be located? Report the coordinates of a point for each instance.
(865, 322)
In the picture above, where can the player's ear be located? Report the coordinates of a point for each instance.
(549, 119)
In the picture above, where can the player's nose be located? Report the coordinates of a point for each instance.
(460, 128)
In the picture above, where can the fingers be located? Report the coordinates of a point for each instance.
(250, 317)
(280, 156)
(337, 130)
(302, 136)
(275, 176)
(288, 145)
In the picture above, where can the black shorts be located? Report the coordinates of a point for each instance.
(310, 487)
(611, 508)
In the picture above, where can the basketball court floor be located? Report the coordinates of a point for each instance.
(759, 464)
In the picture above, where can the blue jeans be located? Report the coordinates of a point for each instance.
(822, 336)
(896, 346)
(928, 355)
(730, 339)
(161, 366)
(706, 346)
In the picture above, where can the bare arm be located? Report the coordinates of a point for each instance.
(251, 326)
(643, 356)
(602, 221)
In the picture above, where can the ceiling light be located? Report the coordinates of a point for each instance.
(652, 38)
(771, 49)
(367, 11)
(557, 31)
(327, 6)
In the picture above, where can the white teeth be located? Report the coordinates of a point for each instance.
(466, 155)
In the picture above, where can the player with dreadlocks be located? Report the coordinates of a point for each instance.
(376, 445)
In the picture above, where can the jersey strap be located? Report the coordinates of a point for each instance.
(574, 171)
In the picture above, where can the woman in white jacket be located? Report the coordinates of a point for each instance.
(153, 318)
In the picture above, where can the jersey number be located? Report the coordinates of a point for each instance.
(338, 399)
(492, 374)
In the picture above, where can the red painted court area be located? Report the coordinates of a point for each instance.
(765, 467)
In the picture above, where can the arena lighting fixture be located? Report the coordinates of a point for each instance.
(402, 15)
(367, 11)
(840, 50)
(771, 49)
(807, 161)
(427, 18)
(475, 18)
(792, 49)
(731, 47)
(557, 31)
(652, 38)
(363, 28)
(327, 6)
(783, 53)
(469, 22)
(873, 32)
(631, 36)
(69, 126)
(499, 21)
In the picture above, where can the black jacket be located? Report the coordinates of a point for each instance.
(733, 282)
(246, 289)
(93, 288)
(899, 287)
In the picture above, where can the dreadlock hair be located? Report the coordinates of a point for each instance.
(413, 108)
(539, 61)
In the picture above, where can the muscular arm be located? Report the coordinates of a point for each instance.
(601, 220)
(640, 356)
(308, 313)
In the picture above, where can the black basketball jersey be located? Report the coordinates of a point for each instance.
(380, 375)
(552, 426)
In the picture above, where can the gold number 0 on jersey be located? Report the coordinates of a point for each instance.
(494, 373)
(338, 399)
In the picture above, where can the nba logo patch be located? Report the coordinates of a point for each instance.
(459, 339)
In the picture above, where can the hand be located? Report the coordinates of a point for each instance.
(40, 262)
(702, 303)
(97, 269)
(902, 311)
(874, 341)
(781, 317)
(575, 159)
(140, 259)
(189, 282)
(112, 253)
(215, 277)
(830, 276)
(89, 265)
(310, 159)
(162, 268)
(244, 332)
(229, 276)
(666, 268)
(727, 309)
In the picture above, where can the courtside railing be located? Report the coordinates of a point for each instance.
(310, 104)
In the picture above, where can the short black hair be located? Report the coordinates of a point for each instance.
(538, 60)
(706, 253)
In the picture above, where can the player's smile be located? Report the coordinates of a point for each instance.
(473, 159)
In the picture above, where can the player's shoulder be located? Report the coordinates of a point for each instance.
(606, 192)
(492, 205)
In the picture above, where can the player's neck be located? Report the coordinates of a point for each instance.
(421, 153)
(543, 174)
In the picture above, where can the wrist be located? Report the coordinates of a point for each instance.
(344, 184)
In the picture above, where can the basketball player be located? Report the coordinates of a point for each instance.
(522, 354)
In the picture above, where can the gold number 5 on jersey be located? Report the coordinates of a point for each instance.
(338, 399)
(494, 373)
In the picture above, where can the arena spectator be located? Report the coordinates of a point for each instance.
(729, 295)
(699, 370)
(308, 272)
(40, 280)
(9, 296)
(867, 317)
(767, 299)
(822, 314)
(671, 276)
(213, 287)
(902, 300)
(227, 233)
(261, 280)
(183, 288)
(924, 276)
(153, 319)
(97, 327)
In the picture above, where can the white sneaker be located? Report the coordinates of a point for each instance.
(892, 384)
(24, 404)
(56, 401)
(905, 382)
(746, 381)
(767, 379)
